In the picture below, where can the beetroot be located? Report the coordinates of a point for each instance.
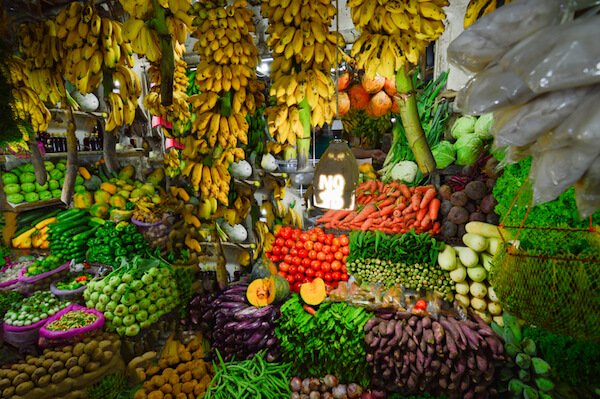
(476, 190)
(488, 203)
(459, 198)
(458, 215)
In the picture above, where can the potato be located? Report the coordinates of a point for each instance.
(105, 345)
(91, 347)
(23, 377)
(44, 380)
(96, 355)
(72, 361)
(47, 363)
(65, 356)
(4, 383)
(24, 387)
(186, 377)
(75, 371)
(56, 366)
(187, 387)
(68, 348)
(8, 392)
(59, 376)
(92, 366)
(78, 349)
(83, 360)
(39, 372)
(11, 374)
(166, 388)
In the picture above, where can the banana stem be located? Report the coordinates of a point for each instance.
(167, 59)
(71, 169)
(303, 142)
(412, 124)
(37, 162)
(109, 151)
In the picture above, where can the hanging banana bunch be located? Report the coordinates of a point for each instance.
(478, 8)
(158, 31)
(229, 91)
(304, 51)
(394, 33)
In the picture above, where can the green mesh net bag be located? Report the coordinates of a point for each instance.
(550, 278)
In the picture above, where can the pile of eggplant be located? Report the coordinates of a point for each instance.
(241, 330)
(411, 354)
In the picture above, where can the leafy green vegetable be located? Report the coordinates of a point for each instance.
(468, 148)
(444, 154)
(463, 126)
(483, 126)
(576, 362)
(7, 298)
(330, 342)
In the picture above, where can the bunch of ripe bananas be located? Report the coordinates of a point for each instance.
(90, 43)
(26, 104)
(394, 32)
(178, 113)
(478, 8)
(124, 103)
(144, 39)
(304, 51)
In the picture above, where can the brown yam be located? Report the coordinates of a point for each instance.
(186, 377)
(166, 388)
(156, 395)
(187, 387)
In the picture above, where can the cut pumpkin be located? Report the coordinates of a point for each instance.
(313, 293)
(262, 269)
(261, 292)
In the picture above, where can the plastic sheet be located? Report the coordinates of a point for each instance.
(480, 45)
(521, 126)
(492, 89)
(587, 196)
(560, 57)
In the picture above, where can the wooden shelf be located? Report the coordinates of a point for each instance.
(24, 207)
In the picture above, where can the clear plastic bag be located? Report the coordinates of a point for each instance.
(494, 34)
(560, 57)
(521, 126)
(554, 171)
(587, 191)
(490, 90)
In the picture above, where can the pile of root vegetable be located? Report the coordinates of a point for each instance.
(410, 354)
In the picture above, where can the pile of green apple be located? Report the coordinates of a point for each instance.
(132, 299)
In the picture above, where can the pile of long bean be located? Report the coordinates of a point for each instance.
(253, 379)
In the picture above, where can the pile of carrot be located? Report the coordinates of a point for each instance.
(390, 208)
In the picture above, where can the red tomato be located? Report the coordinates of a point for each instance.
(327, 277)
(318, 231)
(301, 269)
(421, 305)
(299, 245)
(326, 249)
(336, 276)
(276, 258)
(284, 250)
(344, 240)
(282, 274)
(328, 241)
(321, 238)
(284, 266)
(313, 236)
(299, 277)
(326, 267)
(321, 256)
(289, 243)
(297, 261)
(336, 265)
(276, 250)
(294, 252)
(304, 237)
(329, 257)
(285, 232)
(308, 245)
(344, 270)
(345, 250)
(296, 287)
(280, 241)
(290, 279)
(303, 253)
(338, 255)
(312, 254)
(344, 277)
(318, 246)
(345, 259)
(335, 242)
(319, 274)
(287, 258)
(334, 248)
(296, 234)
(293, 269)
(330, 236)
(315, 265)
(305, 280)
(309, 272)
(306, 262)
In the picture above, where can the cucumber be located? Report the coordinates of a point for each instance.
(68, 214)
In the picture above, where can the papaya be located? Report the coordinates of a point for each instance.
(136, 193)
(101, 197)
(119, 215)
(127, 172)
(82, 200)
(99, 210)
(147, 189)
(109, 188)
(156, 177)
(84, 173)
(124, 193)
(118, 201)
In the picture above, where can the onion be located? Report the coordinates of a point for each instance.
(315, 395)
(378, 394)
(340, 392)
(295, 395)
(330, 380)
(296, 384)
(367, 395)
(314, 384)
(354, 391)
(327, 395)
(306, 386)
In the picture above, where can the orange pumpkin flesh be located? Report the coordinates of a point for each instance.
(313, 293)
(261, 292)
(373, 85)
(359, 98)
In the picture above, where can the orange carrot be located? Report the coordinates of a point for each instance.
(434, 209)
(423, 189)
(426, 222)
(427, 197)
(340, 214)
(386, 202)
(405, 191)
(409, 216)
(415, 202)
(387, 210)
(309, 309)
(327, 216)
(421, 214)
(366, 211)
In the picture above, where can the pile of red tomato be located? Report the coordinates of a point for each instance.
(305, 255)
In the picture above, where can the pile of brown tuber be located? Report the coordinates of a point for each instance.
(329, 387)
